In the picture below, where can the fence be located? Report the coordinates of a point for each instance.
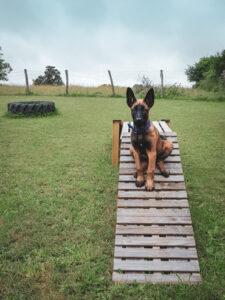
(75, 83)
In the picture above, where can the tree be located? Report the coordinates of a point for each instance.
(5, 68)
(208, 72)
(51, 76)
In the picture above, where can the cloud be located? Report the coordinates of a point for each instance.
(129, 37)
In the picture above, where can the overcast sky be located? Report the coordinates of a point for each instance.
(129, 37)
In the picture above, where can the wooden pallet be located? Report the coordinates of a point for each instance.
(154, 236)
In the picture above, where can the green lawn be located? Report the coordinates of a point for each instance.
(58, 191)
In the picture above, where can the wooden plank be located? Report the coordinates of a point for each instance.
(156, 266)
(115, 141)
(152, 203)
(152, 194)
(171, 241)
(157, 178)
(165, 126)
(154, 220)
(168, 165)
(172, 278)
(128, 171)
(158, 186)
(140, 252)
(126, 152)
(168, 159)
(153, 212)
(157, 126)
(154, 229)
(167, 134)
(128, 139)
(128, 145)
(124, 130)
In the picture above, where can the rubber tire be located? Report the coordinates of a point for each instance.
(31, 107)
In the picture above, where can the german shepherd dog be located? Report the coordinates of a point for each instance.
(148, 149)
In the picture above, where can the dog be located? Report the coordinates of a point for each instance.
(148, 149)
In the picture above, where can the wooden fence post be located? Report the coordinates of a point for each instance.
(116, 129)
(67, 82)
(161, 77)
(27, 82)
(111, 80)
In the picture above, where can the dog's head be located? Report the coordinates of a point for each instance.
(140, 108)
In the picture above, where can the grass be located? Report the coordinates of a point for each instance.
(58, 191)
(103, 90)
(170, 92)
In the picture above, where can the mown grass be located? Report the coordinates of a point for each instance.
(58, 191)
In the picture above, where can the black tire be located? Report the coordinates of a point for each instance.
(31, 107)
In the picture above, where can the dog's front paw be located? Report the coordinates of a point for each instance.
(165, 173)
(135, 174)
(149, 185)
(139, 183)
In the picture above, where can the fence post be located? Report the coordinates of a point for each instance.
(161, 77)
(67, 82)
(116, 129)
(27, 82)
(111, 80)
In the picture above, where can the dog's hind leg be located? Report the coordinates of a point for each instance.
(167, 149)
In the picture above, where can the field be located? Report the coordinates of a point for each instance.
(105, 90)
(58, 191)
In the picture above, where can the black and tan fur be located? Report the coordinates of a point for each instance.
(149, 149)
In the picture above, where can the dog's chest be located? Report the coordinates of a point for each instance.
(141, 141)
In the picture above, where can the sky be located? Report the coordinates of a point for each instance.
(132, 38)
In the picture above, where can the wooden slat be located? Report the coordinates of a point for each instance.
(124, 130)
(168, 159)
(157, 178)
(167, 134)
(157, 126)
(152, 203)
(154, 229)
(126, 152)
(153, 212)
(171, 241)
(168, 165)
(164, 126)
(154, 220)
(140, 252)
(152, 194)
(172, 278)
(157, 185)
(156, 266)
(128, 171)
(128, 145)
(128, 139)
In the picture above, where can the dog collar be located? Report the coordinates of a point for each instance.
(138, 130)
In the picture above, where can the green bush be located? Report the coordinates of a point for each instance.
(208, 73)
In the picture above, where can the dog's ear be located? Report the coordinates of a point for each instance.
(149, 98)
(130, 97)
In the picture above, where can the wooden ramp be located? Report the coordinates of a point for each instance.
(154, 236)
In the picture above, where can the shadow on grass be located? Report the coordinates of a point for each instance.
(10, 115)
